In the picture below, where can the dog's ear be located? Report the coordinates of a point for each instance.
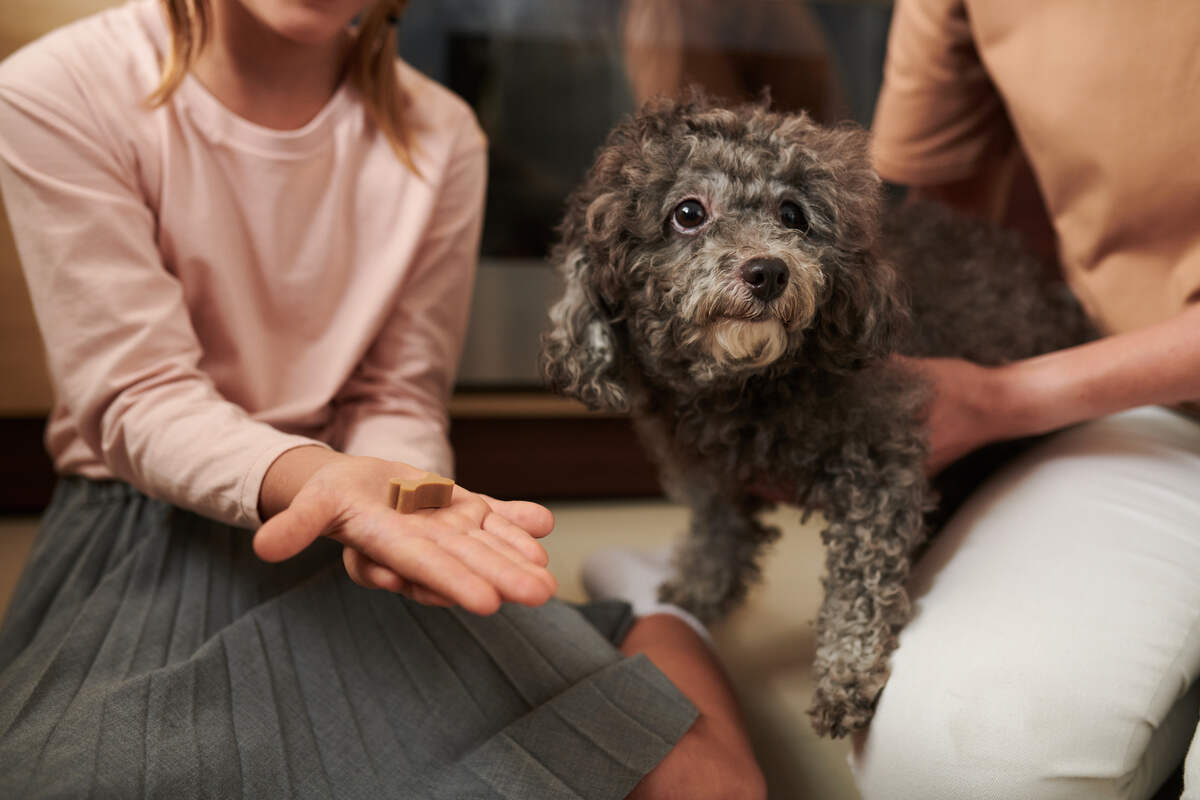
(865, 310)
(585, 353)
(863, 316)
(582, 352)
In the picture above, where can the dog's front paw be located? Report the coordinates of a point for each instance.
(840, 710)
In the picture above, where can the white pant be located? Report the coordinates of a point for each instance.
(1055, 644)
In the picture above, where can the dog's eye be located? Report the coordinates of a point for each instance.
(792, 216)
(688, 215)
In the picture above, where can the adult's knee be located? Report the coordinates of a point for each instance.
(924, 764)
(1053, 634)
(997, 739)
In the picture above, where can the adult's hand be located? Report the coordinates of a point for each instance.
(475, 552)
(966, 407)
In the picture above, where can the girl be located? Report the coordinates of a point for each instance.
(249, 233)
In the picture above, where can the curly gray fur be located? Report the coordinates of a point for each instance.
(730, 388)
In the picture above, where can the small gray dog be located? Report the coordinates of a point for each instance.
(731, 280)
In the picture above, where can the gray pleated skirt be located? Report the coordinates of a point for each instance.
(148, 653)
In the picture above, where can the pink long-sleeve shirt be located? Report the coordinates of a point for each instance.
(211, 292)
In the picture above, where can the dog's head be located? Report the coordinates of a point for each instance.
(709, 244)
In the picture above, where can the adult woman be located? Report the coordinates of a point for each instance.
(249, 234)
(1053, 652)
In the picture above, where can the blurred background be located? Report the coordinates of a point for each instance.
(549, 78)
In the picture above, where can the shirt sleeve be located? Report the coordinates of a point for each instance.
(394, 405)
(122, 352)
(938, 116)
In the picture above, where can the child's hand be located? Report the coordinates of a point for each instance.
(475, 552)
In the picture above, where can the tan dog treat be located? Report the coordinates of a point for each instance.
(429, 491)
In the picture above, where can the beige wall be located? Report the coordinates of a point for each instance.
(24, 386)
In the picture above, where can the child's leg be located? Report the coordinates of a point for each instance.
(713, 759)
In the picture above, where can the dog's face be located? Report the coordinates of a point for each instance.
(710, 244)
(733, 277)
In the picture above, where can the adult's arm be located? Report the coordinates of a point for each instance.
(974, 405)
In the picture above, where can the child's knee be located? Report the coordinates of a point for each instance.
(703, 766)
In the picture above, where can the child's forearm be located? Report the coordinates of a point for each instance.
(287, 474)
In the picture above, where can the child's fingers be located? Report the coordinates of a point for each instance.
(516, 537)
(535, 568)
(534, 519)
(371, 574)
(427, 596)
(421, 560)
(510, 540)
(517, 581)
(293, 529)
(354, 567)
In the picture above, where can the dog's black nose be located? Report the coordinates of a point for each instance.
(766, 277)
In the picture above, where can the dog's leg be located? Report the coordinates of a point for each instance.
(718, 559)
(875, 515)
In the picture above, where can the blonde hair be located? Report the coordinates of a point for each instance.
(370, 64)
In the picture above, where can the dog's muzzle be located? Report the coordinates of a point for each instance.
(754, 314)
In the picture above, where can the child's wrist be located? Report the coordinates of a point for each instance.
(287, 473)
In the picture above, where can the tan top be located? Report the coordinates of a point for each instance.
(211, 292)
(1102, 99)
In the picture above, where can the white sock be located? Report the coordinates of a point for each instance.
(634, 576)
